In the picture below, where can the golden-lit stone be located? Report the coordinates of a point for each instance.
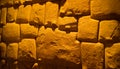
(92, 55)
(28, 31)
(75, 7)
(38, 14)
(3, 2)
(3, 50)
(51, 13)
(105, 9)
(11, 32)
(109, 30)
(23, 14)
(112, 56)
(3, 16)
(12, 51)
(87, 29)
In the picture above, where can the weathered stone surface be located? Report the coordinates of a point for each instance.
(57, 46)
(27, 50)
(23, 14)
(92, 55)
(87, 29)
(105, 9)
(109, 30)
(12, 51)
(38, 14)
(75, 7)
(112, 56)
(11, 14)
(28, 31)
(11, 32)
(3, 15)
(51, 13)
(3, 50)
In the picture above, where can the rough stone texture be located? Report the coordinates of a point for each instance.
(2, 50)
(12, 51)
(28, 31)
(58, 48)
(112, 56)
(11, 32)
(3, 16)
(92, 55)
(51, 16)
(23, 14)
(105, 9)
(11, 14)
(109, 30)
(87, 29)
(37, 14)
(27, 50)
(75, 7)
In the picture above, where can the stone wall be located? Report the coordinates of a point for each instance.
(59, 34)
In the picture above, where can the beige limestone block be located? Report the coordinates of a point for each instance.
(109, 30)
(112, 56)
(105, 9)
(23, 14)
(51, 13)
(92, 55)
(3, 15)
(28, 31)
(12, 51)
(27, 50)
(75, 7)
(11, 14)
(3, 50)
(37, 15)
(87, 29)
(11, 32)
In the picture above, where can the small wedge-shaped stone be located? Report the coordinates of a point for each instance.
(11, 32)
(37, 14)
(51, 13)
(3, 50)
(23, 14)
(75, 7)
(12, 51)
(87, 29)
(28, 31)
(3, 15)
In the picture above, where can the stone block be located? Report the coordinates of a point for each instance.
(23, 14)
(75, 7)
(112, 56)
(51, 13)
(3, 15)
(92, 55)
(27, 50)
(3, 2)
(12, 51)
(87, 29)
(37, 15)
(3, 50)
(105, 9)
(28, 31)
(109, 30)
(9, 2)
(11, 32)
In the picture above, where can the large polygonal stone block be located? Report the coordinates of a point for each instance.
(92, 55)
(28, 31)
(11, 32)
(12, 51)
(112, 56)
(87, 29)
(3, 15)
(3, 50)
(75, 7)
(109, 30)
(105, 9)
(23, 14)
(38, 14)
